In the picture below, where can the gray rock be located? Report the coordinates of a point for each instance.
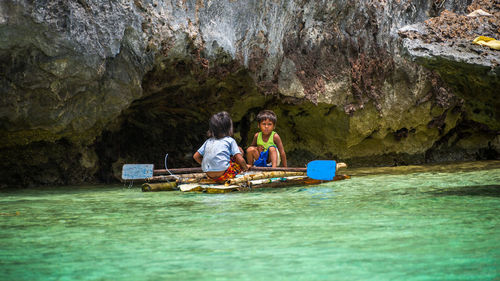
(104, 83)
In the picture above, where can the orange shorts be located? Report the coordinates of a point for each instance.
(230, 172)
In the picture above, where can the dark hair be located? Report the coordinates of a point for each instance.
(220, 125)
(266, 115)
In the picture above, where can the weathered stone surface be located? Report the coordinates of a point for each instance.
(443, 44)
(67, 68)
(88, 85)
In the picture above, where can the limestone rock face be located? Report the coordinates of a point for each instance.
(88, 85)
(68, 68)
(443, 44)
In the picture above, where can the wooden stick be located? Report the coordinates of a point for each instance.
(266, 169)
(178, 171)
(199, 170)
(291, 169)
(284, 169)
(178, 177)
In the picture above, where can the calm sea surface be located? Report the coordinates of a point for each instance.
(438, 222)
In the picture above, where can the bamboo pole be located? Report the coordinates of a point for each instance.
(255, 184)
(202, 179)
(264, 175)
(178, 171)
(283, 169)
(161, 178)
(181, 177)
(285, 183)
(253, 168)
(199, 170)
(292, 169)
(193, 175)
(216, 188)
(199, 181)
(162, 186)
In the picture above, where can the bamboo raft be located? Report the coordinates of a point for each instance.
(198, 182)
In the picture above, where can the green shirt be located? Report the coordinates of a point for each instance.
(270, 141)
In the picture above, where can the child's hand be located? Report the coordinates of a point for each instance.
(260, 148)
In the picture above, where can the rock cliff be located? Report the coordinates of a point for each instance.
(87, 85)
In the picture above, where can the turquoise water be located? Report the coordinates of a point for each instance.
(411, 223)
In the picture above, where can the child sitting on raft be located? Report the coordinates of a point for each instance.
(220, 157)
(266, 148)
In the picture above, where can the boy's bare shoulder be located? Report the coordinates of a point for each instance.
(276, 137)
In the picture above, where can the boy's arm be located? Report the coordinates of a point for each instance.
(281, 149)
(197, 157)
(254, 141)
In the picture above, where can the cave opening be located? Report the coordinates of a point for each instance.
(172, 117)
